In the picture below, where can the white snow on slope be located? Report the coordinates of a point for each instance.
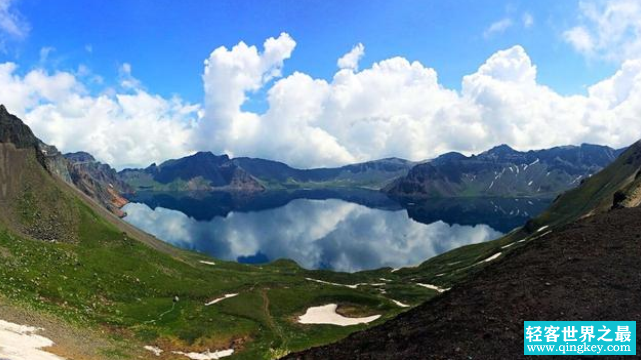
(327, 314)
(19, 342)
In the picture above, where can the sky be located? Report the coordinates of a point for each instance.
(321, 83)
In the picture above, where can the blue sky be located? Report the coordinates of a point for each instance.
(167, 41)
(320, 82)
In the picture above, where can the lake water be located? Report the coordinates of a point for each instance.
(342, 230)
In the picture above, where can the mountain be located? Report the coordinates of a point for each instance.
(206, 171)
(103, 289)
(503, 171)
(617, 186)
(372, 174)
(202, 171)
(580, 264)
(99, 181)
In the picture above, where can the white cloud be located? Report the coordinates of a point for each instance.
(125, 128)
(398, 108)
(610, 29)
(528, 20)
(12, 25)
(498, 27)
(351, 59)
(580, 39)
(393, 108)
(45, 52)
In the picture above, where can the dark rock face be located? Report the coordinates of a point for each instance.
(99, 181)
(586, 271)
(79, 157)
(201, 171)
(503, 171)
(14, 131)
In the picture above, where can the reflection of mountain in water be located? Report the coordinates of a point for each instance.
(502, 214)
(345, 230)
(207, 205)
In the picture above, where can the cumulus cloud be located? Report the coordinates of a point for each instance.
(398, 108)
(123, 128)
(395, 107)
(351, 59)
(610, 29)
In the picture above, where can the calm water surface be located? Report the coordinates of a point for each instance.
(343, 230)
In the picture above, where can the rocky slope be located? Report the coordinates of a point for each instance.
(585, 271)
(99, 181)
(581, 265)
(202, 171)
(503, 171)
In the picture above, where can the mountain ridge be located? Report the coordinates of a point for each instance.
(503, 171)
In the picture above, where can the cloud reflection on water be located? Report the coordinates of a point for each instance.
(331, 234)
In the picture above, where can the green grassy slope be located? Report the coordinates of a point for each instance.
(64, 255)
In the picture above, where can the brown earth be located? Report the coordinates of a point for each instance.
(589, 270)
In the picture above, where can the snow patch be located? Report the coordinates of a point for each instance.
(400, 304)
(335, 284)
(493, 257)
(433, 287)
(217, 300)
(542, 228)
(207, 262)
(155, 350)
(207, 355)
(327, 314)
(19, 342)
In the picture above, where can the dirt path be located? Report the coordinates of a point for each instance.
(270, 320)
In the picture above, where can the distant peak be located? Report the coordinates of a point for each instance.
(80, 156)
(502, 149)
(209, 155)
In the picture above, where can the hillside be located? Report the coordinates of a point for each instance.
(70, 266)
(99, 181)
(565, 265)
(570, 274)
(503, 171)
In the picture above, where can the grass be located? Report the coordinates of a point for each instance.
(97, 276)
